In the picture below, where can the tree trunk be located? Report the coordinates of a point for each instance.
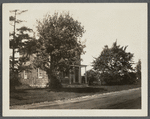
(54, 82)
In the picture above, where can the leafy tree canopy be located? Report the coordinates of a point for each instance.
(59, 43)
(24, 45)
(114, 63)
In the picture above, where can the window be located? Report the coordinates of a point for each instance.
(40, 74)
(25, 74)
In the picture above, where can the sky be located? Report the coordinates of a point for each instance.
(104, 24)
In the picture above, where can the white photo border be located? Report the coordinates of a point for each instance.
(70, 113)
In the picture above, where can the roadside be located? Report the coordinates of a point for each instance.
(31, 96)
(124, 97)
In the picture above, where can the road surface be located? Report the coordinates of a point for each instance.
(127, 99)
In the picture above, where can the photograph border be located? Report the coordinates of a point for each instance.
(69, 113)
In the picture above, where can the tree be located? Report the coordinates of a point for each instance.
(114, 64)
(59, 44)
(13, 41)
(26, 47)
(20, 42)
(138, 70)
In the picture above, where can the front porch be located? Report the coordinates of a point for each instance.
(74, 76)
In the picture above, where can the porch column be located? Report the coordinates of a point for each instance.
(79, 75)
(73, 75)
(69, 78)
(85, 75)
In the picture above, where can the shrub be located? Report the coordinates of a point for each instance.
(110, 79)
(92, 76)
(129, 78)
(14, 81)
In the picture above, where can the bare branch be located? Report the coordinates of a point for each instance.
(19, 21)
(22, 12)
(14, 10)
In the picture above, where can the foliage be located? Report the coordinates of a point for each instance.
(129, 78)
(14, 81)
(20, 42)
(114, 64)
(92, 76)
(58, 46)
(24, 45)
(138, 70)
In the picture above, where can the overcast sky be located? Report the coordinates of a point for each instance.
(104, 23)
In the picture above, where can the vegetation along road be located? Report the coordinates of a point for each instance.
(126, 99)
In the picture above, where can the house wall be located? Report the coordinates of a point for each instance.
(33, 80)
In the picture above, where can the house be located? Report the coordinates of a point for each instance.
(38, 78)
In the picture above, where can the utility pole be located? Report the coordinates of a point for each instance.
(13, 18)
(14, 37)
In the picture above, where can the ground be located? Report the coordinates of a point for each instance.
(125, 99)
(29, 96)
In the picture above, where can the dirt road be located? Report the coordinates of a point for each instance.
(126, 99)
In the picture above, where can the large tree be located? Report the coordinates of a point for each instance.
(115, 64)
(59, 43)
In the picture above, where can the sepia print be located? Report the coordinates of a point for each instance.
(90, 59)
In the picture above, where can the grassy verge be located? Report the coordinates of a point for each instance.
(29, 96)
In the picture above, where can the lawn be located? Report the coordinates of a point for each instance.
(29, 96)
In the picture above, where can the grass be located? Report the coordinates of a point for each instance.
(29, 96)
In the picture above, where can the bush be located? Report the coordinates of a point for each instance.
(116, 79)
(14, 81)
(129, 78)
(110, 79)
(92, 76)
